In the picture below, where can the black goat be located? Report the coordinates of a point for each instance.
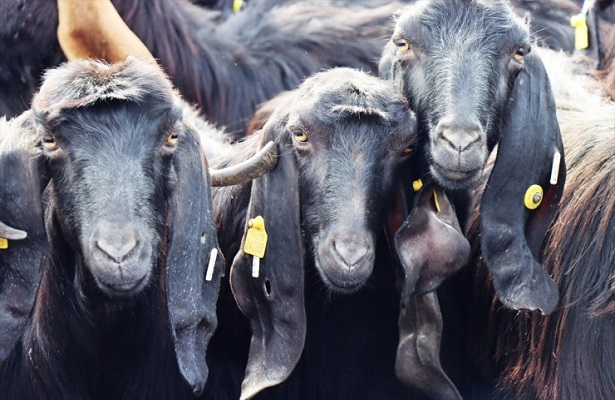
(226, 68)
(108, 174)
(566, 355)
(467, 69)
(343, 139)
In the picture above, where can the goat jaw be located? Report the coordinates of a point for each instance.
(7, 232)
(257, 165)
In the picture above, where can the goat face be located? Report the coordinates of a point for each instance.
(109, 164)
(348, 149)
(341, 141)
(457, 61)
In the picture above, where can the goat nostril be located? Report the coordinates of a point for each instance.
(459, 140)
(117, 251)
(350, 252)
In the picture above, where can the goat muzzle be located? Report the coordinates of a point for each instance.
(258, 165)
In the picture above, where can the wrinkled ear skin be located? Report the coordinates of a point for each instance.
(191, 300)
(430, 244)
(21, 264)
(273, 302)
(512, 235)
(417, 363)
(430, 247)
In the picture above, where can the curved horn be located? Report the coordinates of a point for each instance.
(7, 232)
(257, 165)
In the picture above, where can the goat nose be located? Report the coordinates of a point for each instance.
(459, 137)
(118, 247)
(350, 251)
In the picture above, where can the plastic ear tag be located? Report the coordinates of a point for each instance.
(555, 168)
(237, 5)
(533, 197)
(581, 32)
(417, 185)
(213, 256)
(435, 201)
(4, 244)
(256, 242)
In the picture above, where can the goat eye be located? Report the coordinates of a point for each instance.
(520, 53)
(172, 139)
(407, 150)
(402, 45)
(300, 135)
(50, 142)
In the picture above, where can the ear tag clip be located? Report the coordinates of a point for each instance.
(435, 201)
(256, 242)
(581, 32)
(213, 256)
(417, 185)
(4, 244)
(533, 197)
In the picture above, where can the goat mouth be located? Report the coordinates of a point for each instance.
(340, 283)
(455, 179)
(124, 289)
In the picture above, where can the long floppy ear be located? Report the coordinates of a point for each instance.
(512, 234)
(430, 247)
(274, 301)
(21, 261)
(430, 244)
(192, 273)
(417, 363)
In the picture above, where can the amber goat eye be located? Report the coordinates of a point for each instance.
(300, 135)
(172, 139)
(50, 142)
(402, 45)
(407, 150)
(520, 53)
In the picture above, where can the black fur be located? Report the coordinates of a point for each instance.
(321, 344)
(468, 71)
(123, 310)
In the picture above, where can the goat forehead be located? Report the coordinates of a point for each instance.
(442, 24)
(123, 128)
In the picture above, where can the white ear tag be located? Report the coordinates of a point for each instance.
(555, 168)
(213, 256)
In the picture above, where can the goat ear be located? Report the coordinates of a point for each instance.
(21, 263)
(512, 234)
(430, 244)
(389, 67)
(191, 291)
(417, 363)
(274, 301)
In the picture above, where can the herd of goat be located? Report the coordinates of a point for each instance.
(436, 179)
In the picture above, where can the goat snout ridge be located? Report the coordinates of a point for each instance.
(350, 250)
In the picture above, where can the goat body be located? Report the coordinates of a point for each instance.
(123, 310)
(342, 140)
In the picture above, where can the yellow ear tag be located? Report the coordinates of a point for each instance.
(581, 32)
(4, 244)
(435, 201)
(256, 242)
(237, 5)
(417, 185)
(533, 197)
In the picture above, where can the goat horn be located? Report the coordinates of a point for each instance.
(7, 232)
(259, 164)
